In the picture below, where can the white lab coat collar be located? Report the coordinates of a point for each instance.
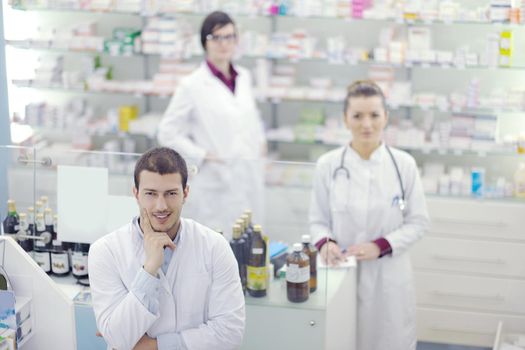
(376, 156)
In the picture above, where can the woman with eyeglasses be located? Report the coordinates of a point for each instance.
(368, 202)
(213, 121)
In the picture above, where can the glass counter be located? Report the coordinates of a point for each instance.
(91, 192)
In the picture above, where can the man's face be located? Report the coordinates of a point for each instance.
(162, 197)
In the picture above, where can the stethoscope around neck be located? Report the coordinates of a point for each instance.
(400, 201)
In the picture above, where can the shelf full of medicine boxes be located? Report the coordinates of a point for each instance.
(428, 59)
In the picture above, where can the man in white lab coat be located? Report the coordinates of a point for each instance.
(162, 281)
(213, 122)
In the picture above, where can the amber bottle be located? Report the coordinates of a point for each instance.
(297, 275)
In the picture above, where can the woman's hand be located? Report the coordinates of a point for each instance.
(331, 254)
(364, 251)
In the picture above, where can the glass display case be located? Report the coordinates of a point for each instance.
(91, 194)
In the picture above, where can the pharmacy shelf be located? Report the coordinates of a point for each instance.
(80, 90)
(515, 200)
(468, 111)
(454, 110)
(422, 150)
(37, 45)
(408, 21)
(400, 20)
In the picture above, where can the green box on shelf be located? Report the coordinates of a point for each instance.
(311, 116)
(126, 35)
(127, 49)
(305, 133)
(113, 47)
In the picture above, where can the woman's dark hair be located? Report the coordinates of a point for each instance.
(161, 160)
(215, 20)
(363, 88)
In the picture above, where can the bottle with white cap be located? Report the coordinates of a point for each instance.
(297, 275)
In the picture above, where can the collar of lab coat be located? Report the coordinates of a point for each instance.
(375, 157)
(213, 79)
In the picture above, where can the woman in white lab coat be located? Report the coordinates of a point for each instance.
(368, 202)
(213, 121)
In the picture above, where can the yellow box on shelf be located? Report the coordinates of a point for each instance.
(506, 47)
(125, 114)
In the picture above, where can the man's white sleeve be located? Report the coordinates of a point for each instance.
(121, 317)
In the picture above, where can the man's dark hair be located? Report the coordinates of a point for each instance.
(161, 160)
(215, 20)
(363, 88)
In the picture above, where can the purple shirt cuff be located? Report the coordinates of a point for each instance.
(384, 247)
(320, 243)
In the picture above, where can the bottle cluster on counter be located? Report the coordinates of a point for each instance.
(52, 255)
(251, 249)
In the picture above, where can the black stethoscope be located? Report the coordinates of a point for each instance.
(400, 201)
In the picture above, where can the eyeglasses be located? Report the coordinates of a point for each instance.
(229, 38)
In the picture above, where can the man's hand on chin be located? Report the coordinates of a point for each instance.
(146, 343)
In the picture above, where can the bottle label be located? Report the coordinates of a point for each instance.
(43, 260)
(296, 274)
(79, 262)
(60, 263)
(256, 278)
(257, 251)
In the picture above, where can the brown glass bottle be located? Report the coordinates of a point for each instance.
(310, 250)
(256, 283)
(297, 275)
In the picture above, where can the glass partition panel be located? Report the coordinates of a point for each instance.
(17, 175)
(92, 192)
(89, 191)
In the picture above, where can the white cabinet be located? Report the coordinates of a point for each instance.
(326, 321)
(470, 271)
